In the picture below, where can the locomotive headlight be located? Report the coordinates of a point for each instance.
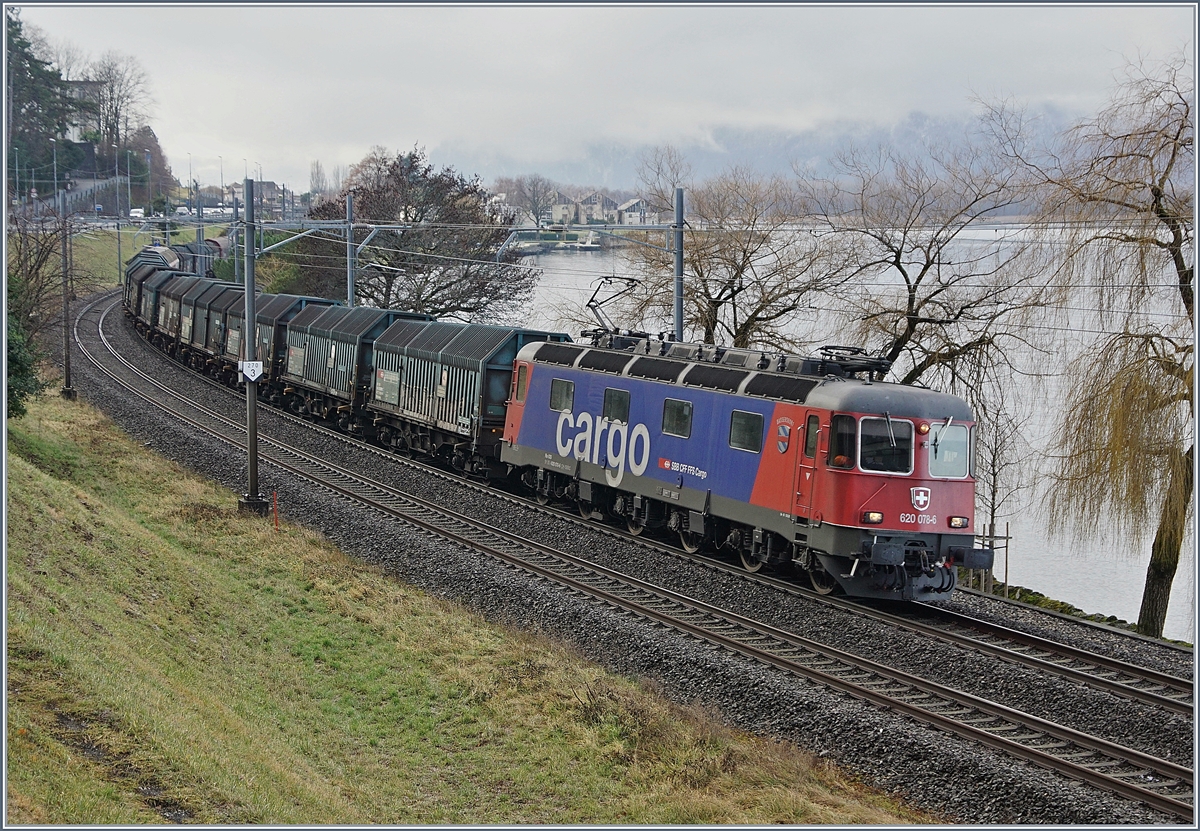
(959, 522)
(922, 428)
(872, 517)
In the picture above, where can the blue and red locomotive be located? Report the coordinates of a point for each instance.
(866, 486)
(780, 459)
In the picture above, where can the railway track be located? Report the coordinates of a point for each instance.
(1159, 783)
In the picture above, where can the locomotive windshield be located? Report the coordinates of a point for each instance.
(949, 451)
(887, 445)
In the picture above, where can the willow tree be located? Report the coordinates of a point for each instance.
(1118, 193)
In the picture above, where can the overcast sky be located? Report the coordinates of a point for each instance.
(507, 89)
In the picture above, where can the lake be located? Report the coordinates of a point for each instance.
(1093, 571)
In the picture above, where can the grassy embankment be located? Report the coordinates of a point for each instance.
(95, 252)
(169, 658)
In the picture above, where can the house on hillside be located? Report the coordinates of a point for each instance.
(87, 93)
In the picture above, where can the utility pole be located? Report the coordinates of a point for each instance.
(252, 501)
(678, 264)
(128, 180)
(237, 273)
(68, 392)
(351, 258)
(117, 197)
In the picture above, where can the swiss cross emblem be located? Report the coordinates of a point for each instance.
(920, 498)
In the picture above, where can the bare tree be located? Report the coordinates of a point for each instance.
(749, 268)
(317, 183)
(535, 194)
(337, 178)
(1119, 203)
(927, 292)
(34, 273)
(70, 60)
(124, 98)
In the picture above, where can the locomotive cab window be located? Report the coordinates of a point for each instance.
(522, 382)
(562, 394)
(810, 436)
(842, 444)
(887, 445)
(616, 405)
(949, 451)
(745, 431)
(677, 418)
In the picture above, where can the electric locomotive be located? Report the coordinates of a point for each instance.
(809, 462)
(864, 485)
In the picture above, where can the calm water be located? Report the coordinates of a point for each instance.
(1093, 571)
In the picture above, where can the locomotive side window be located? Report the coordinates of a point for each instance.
(616, 405)
(887, 445)
(810, 437)
(842, 442)
(745, 431)
(948, 451)
(562, 394)
(677, 418)
(522, 382)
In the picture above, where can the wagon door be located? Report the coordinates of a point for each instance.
(806, 464)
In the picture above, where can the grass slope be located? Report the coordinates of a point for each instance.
(171, 659)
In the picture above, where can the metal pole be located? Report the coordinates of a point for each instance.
(199, 214)
(117, 192)
(237, 272)
(252, 501)
(128, 180)
(678, 264)
(68, 392)
(350, 253)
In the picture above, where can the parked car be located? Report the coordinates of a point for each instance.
(137, 213)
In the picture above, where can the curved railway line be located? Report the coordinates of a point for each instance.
(1129, 773)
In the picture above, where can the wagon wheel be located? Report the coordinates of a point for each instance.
(634, 526)
(690, 541)
(822, 581)
(749, 563)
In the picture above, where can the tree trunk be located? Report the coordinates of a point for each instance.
(1164, 554)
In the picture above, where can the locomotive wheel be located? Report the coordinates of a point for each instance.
(749, 563)
(634, 527)
(691, 542)
(542, 498)
(585, 508)
(822, 581)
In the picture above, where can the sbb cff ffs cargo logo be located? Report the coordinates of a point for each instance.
(920, 498)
